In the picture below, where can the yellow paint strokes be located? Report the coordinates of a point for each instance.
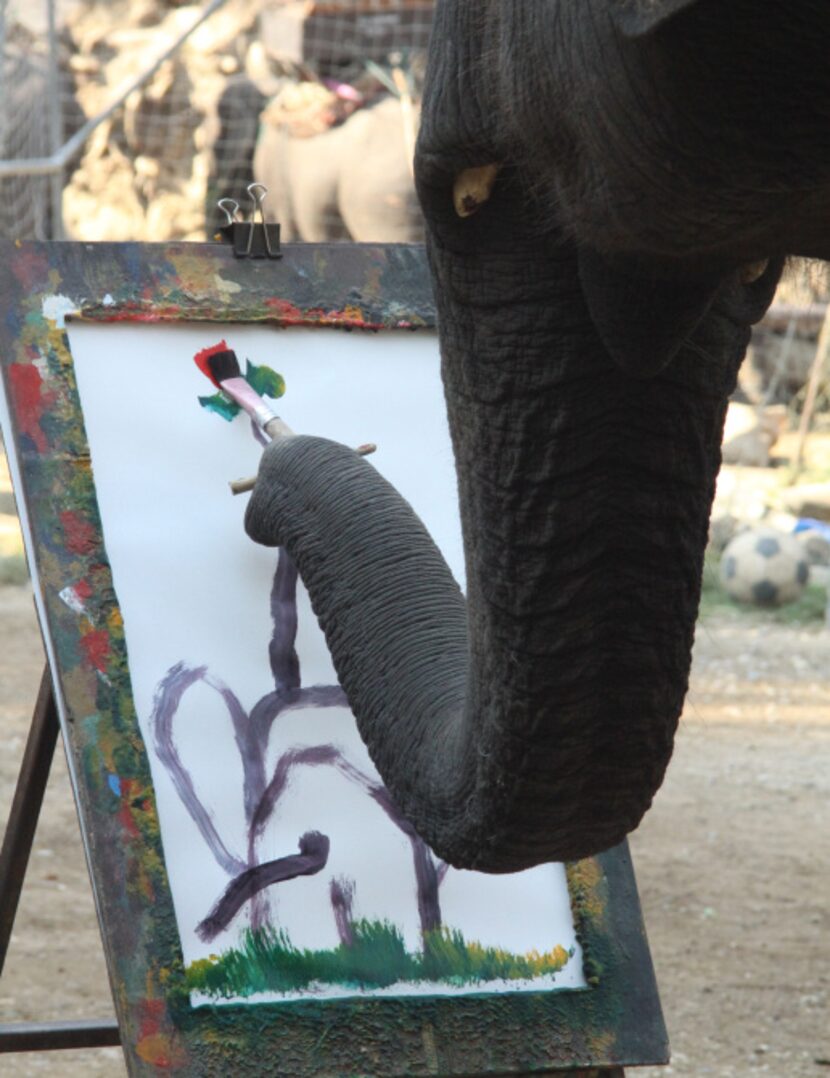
(82, 465)
(150, 823)
(80, 686)
(227, 288)
(115, 620)
(373, 281)
(544, 961)
(430, 1049)
(145, 882)
(161, 1050)
(195, 273)
(56, 343)
(64, 360)
(585, 884)
(601, 1045)
(214, 1035)
(51, 572)
(200, 966)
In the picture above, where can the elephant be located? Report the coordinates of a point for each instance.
(232, 156)
(321, 187)
(611, 189)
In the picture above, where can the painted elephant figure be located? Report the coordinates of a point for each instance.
(610, 189)
(353, 181)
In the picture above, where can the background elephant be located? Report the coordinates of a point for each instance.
(610, 188)
(353, 181)
(232, 156)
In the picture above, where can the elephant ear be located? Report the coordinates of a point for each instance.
(641, 317)
(635, 18)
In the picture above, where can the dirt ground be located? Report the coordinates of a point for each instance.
(733, 864)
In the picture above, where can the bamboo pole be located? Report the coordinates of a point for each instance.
(407, 116)
(819, 362)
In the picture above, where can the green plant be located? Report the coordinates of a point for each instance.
(376, 958)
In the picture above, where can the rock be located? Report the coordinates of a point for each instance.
(158, 119)
(144, 172)
(816, 547)
(808, 500)
(777, 364)
(722, 530)
(150, 170)
(332, 36)
(750, 433)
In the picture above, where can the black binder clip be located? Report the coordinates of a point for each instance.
(253, 238)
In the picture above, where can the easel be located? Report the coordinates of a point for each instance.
(14, 859)
(591, 1034)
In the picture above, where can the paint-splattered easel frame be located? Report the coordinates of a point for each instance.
(362, 288)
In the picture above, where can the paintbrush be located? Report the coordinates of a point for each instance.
(221, 366)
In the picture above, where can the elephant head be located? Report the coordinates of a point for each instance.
(610, 188)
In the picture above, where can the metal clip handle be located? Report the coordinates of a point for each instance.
(256, 237)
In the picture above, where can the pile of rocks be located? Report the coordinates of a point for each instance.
(751, 432)
(143, 173)
(149, 173)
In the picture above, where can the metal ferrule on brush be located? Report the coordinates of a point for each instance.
(265, 418)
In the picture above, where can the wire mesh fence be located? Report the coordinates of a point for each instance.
(338, 37)
(332, 87)
(24, 201)
(30, 117)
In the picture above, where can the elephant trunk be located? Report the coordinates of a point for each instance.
(533, 722)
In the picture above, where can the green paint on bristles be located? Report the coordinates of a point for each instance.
(267, 961)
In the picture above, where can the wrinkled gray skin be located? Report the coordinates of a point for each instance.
(351, 182)
(593, 315)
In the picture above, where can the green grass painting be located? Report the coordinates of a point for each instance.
(376, 958)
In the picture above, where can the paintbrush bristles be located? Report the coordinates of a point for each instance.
(218, 362)
(223, 365)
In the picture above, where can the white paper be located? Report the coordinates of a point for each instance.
(194, 589)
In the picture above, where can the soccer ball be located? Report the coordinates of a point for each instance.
(765, 567)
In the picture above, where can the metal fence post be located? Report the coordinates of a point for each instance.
(3, 117)
(55, 125)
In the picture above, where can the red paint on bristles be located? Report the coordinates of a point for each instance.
(202, 360)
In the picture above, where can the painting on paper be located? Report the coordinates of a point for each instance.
(292, 872)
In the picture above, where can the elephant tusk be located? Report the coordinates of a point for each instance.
(473, 188)
(753, 271)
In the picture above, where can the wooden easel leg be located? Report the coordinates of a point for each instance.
(28, 797)
(14, 859)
